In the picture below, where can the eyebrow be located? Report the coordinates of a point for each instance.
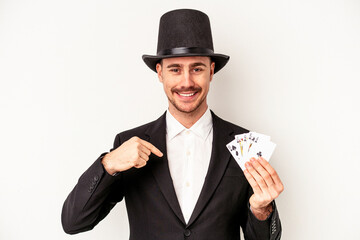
(173, 65)
(198, 64)
(191, 65)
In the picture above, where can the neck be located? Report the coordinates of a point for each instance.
(188, 119)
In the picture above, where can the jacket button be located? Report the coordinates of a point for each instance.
(187, 233)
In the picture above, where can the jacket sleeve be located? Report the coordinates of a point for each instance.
(269, 229)
(255, 229)
(95, 194)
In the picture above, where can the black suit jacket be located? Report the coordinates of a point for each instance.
(153, 209)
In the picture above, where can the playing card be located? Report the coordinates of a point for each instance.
(262, 149)
(259, 135)
(255, 138)
(248, 145)
(232, 146)
(241, 141)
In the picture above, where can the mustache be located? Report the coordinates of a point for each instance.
(185, 89)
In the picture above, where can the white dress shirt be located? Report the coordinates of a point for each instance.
(189, 152)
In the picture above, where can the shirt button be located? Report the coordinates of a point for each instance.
(187, 132)
(187, 233)
(188, 153)
(187, 184)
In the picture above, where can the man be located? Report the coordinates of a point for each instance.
(177, 177)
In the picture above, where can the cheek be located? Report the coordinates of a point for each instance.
(206, 86)
(167, 87)
(169, 83)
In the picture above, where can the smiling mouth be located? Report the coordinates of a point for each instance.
(186, 94)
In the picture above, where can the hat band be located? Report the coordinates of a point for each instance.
(185, 50)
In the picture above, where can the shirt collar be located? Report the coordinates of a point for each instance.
(201, 128)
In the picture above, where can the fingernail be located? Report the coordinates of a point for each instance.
(252, 160)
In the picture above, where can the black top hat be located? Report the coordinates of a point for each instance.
(185, 32)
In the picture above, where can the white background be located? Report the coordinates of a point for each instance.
(72, 77)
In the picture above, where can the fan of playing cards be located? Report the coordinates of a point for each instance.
(248, 145)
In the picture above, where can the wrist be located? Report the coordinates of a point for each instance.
(106, 162)
(262, 213)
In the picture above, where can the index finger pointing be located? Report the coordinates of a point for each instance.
(152, 148)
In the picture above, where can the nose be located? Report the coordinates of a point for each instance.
(187, 80)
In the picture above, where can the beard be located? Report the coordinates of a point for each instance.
(193, 108)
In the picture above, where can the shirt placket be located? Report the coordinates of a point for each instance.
(189, 147)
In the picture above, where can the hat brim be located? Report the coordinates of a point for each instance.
(219, 59)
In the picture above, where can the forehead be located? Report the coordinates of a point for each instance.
(186, 60)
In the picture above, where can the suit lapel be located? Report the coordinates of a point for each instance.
(156, 134)
(222, 135)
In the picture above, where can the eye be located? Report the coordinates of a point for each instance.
(197, 69)
(174, 70)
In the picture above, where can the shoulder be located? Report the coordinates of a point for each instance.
(141, 131)
(226, 125)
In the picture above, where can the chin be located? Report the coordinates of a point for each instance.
(187, 109)
(190, 107)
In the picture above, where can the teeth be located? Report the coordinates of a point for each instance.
(186, 95)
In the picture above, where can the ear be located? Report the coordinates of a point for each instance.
(159, 72)
(212, 68)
